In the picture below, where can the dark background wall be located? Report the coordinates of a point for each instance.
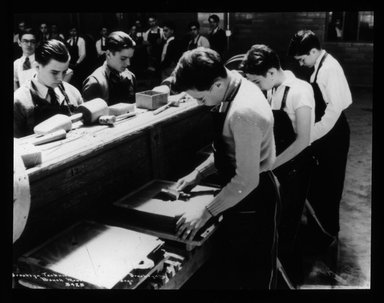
(272, 28)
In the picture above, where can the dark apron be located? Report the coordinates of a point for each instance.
(103, 46)
(282, 127)
(331, 152)
(294, 177)
(246, 253)
(44, 110)
(73, 51)
(193, 45)
(155, 49)
(121, 89)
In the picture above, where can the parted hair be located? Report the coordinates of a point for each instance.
(119, 40)
(198, 69)
(51, 49)
(302, 42)
(259, 59)
(28, 30)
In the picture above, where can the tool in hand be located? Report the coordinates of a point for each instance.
(175, 195)
(89, 112)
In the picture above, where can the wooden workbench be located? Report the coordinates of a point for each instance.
(96, 165)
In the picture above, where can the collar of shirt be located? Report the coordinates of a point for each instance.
(289, 78)
(31, 58)
(42, 90)
(277, 92)
(236, 77)
(108, 71)
(196, 39)
(169, 39)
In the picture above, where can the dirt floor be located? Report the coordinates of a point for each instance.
(354, 255)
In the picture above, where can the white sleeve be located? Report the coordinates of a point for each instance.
(82, 53)
(98, 47)
(336, 93)
(15, 71)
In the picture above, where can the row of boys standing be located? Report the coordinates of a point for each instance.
(323, 126)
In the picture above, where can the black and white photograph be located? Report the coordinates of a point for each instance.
(192, 150)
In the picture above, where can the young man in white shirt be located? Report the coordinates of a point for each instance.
(23, 68)
(101, 45)
(197, 39)
(244, 153)
(153, 39)
(46, 94)
(77, 51)
(294, 163)
(331, 133)
(171, 51)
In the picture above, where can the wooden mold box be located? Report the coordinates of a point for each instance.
(147, 210)
(150, 99)
(90, 255)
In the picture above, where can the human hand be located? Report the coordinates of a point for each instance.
(190, 222)
(162, 89)
(188, 181)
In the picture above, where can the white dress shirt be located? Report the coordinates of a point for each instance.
(335, 90)
(300, 94)
(20, 76)
(81, 46)
(165, 47)
(98, 46)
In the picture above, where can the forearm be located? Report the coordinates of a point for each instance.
(246, 178)
(207, 167)
(327, 122)
(291, 151)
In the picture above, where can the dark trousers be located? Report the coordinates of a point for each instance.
(246, 250)
(294, 178)
(327, 183)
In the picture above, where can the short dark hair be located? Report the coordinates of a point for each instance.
(119, 40)
(259, 59)
(51, 49)
(194, 23)
(28, 30)
(198, 69)
(215, 18)
(302, 42)
(169, 24)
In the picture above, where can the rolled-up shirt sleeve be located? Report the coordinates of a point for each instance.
(248, 136)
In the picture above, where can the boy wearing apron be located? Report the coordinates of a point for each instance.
(45, 95)
(244, 152)
(293, 104)
(331, 133)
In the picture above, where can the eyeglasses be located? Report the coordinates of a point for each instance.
(25, 41)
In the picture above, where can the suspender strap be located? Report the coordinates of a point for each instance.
(320, 64)
(283, 102)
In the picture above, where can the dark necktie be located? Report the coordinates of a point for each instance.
(53, 97)
(26, 64)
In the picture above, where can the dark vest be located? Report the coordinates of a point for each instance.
(44, 110)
